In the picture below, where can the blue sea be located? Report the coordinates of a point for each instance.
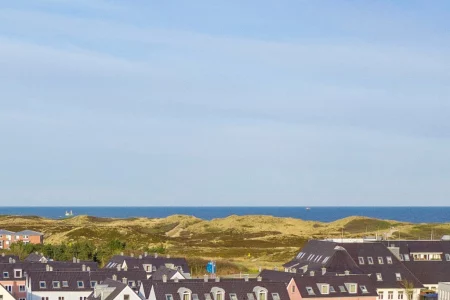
(323, 214)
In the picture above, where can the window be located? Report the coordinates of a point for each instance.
(80, 284)
(169, 297)
(44, 298)
(332, 290)
(379, 277)
(370, 260)
(219, 296)
(25, 236)
(390, 295)
(126, 297)
(447, 257)
(275, 296)
(21, 288)
(401, 257)
(65, 284)
(406, 257)
(42, 284)
(262, 295)
(342, 289)
(194, 296)
(8, 288)
(131, 283)
(17, 273)
(298, 256)
(400, 295)
(324, 289)
(55, 284)
(361, 260)
(293, 288)
(398, 276)
(208, 296)
(60, 298)
(381, 295)
(380, 260)
(352, 288)
(5, 275)
(326, 259)
(186, 296)
(93, 283)
(389, 260)
(17, 237)
(233, 297)
(310, 290)
(19, 298)
(363, 289)
(250, 296)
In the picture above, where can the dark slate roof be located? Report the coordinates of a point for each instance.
(336, 282)
(130, 275)
(118, 287)
(29, 232)
(341, 261)
(34, 257)
(158, 274)
(276, 276)
(136, 262)
(72, 277)
(430, 272)
(408, 247)
(240, 287)
(387, 271)
(6, 232)
(6, 258)
(314, 253)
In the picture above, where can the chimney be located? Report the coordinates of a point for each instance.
(246, 277)
(140, 256)
(114, 277)
(47, 268)
(51, 269)
(37, 253)
(42, 254)
(259, 269)
(124, 280)
(3, 254)
(78, 260)
(311, 273)
(145, 254)
(156, 255)
(88, 269)
(10, 260)
(132, 254)
(83, 267)
(259, 278)
(164, 278)
(74, 260)
(175, 279)
(119, 267)
(324, 270)
(347, 272)
(217, 279)
(205, 278)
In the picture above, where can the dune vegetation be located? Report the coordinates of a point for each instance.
(237, 243)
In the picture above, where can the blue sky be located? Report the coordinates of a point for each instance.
(224, 102)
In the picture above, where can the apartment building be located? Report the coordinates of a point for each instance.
(26, 236)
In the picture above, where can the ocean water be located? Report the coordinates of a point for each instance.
(323, 214)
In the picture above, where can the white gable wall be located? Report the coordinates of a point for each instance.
(54, 295)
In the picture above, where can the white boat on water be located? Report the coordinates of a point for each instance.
(69, 213)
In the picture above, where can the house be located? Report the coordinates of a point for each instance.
(429, 261)
(149, 263)
(26, 236)
(36, 257)
(389, 275)
(132, 278)
(171, 274)
(5, 295)
(113, 290)
(4, 258)
(218, 289)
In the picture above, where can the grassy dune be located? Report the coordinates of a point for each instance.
(239, 243)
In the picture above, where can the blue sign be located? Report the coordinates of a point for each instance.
(211, 267)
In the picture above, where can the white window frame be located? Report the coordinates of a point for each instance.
(370, 260)
(380, 260)
(379, 277)
(398, 276)
(361, 260)
(389, 260)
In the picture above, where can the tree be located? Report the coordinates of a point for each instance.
(408, 286)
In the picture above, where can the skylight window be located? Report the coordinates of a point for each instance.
(233, 296)
(379, 277)
(250, 296)
(370, 260)
(406, 256)
(361, 260)
(363, 289)
(65, 284)
(342, 289)
(80, 284)
(380, 260)
(447, 257)
(275, 296)
(310, 290)
(398, 276)
(326, 259)
(56, 284)
(299, 255)
(169, 297)
(332, 290)
(5, 275)
(194, 296)
(389, 260)
(309, 256)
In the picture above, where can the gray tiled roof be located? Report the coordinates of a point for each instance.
(158, 274)
(118, 287)
(28, 232)
(136, 262)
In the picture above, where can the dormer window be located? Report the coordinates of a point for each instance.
(398, 277)
(17, 273)
(233, 297)
(219, 296)
(447, 257)
(379, 277)
(262, 295)
(186, 296)
(42, 284)
(361, 260)
(93, 283)
(275, 296)
(352, 288)
(65, 284)
(406, 257)
(310, 290)
(363, 289)
(332, 290)
(207, 296)
(80, 284)
(169, 297)
(389, 260)
(5, 275)
(324, 289)
(56, 284)
(342, 289)
(250, 296)
(194, 296)
(380, 260)
(370, 260)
